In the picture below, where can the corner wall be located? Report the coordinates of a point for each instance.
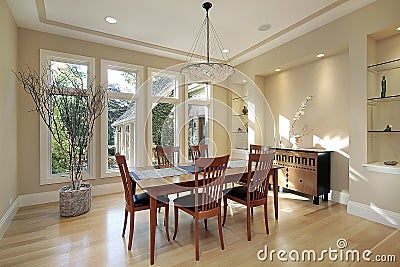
(8, 113)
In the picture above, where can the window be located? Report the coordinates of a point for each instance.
(53, 166)
(164, 102)
(198, 109)
(119, 121)
(179, 112)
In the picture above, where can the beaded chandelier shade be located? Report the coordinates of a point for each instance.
(205, 61)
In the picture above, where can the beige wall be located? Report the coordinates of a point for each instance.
(370, 188)
(8, 108)
(327, 113)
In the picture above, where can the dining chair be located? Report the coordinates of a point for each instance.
(199, 151)
(137, 202)
(167, 156)
(206, 200)
(258, 149)
(255, 192)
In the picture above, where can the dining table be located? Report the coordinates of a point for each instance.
(164, 181)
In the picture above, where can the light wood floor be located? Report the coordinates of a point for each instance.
(39, 237)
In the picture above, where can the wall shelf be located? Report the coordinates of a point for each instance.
(384, 66)
(381, 167)
(384, 99)
(239, 98)
(372, 131)
(381, 111)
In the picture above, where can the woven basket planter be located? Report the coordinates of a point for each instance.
(75, 202)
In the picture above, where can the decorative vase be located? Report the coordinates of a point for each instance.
(383, 83)
(75, 202)
(296, 141)
(245, 110)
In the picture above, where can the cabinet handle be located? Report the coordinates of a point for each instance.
(301, 180)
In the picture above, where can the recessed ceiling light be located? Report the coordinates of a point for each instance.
(278, 69)
(111, 20)
(321, 55)
(264, 27)
(398, 28)
(226, 51)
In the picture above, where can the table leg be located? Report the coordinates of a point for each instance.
(153, 219)
(275, 185)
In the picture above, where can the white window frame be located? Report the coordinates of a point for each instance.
(139, 124)
(208, 102)
(46, 177)
(177, 101)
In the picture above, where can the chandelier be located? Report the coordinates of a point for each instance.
(206, 61)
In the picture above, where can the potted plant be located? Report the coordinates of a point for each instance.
(69, 104)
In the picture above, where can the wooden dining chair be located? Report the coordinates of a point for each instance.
(255, 192)
(167, 156)
(258, 149)
(137, 202)
(199, 151)
(206, 200)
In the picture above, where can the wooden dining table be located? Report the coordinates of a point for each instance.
(185, 182)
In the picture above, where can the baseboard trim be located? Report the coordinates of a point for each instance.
(374, 213)
(48, 197)
(339, 197)
(8, 217)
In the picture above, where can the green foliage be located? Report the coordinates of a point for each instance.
(163, 124)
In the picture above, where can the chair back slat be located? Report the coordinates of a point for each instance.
(200, 151)
(167, 156)
(129, 184)
(258, 149)
(211, 184)
(259, 166)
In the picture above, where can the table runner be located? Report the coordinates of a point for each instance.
(157, 173)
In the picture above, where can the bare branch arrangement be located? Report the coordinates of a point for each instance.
(304, 131)
(69, 104)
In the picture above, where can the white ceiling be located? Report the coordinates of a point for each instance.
(169, 28)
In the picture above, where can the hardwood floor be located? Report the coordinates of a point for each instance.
(39, 237)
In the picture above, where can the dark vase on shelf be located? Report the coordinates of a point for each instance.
(245, 110)
(383, 83)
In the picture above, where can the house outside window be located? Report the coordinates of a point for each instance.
(119, 120)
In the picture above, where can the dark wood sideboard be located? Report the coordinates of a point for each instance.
(307, 171)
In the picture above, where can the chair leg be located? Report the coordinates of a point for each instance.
(221, 237)
(125, 219)
(166, 219)
(225, 209)
(131, 228)
(176, 222)
(248, 224)
(205, 224)
(197, 239)
(266, 218)
(251, 211)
